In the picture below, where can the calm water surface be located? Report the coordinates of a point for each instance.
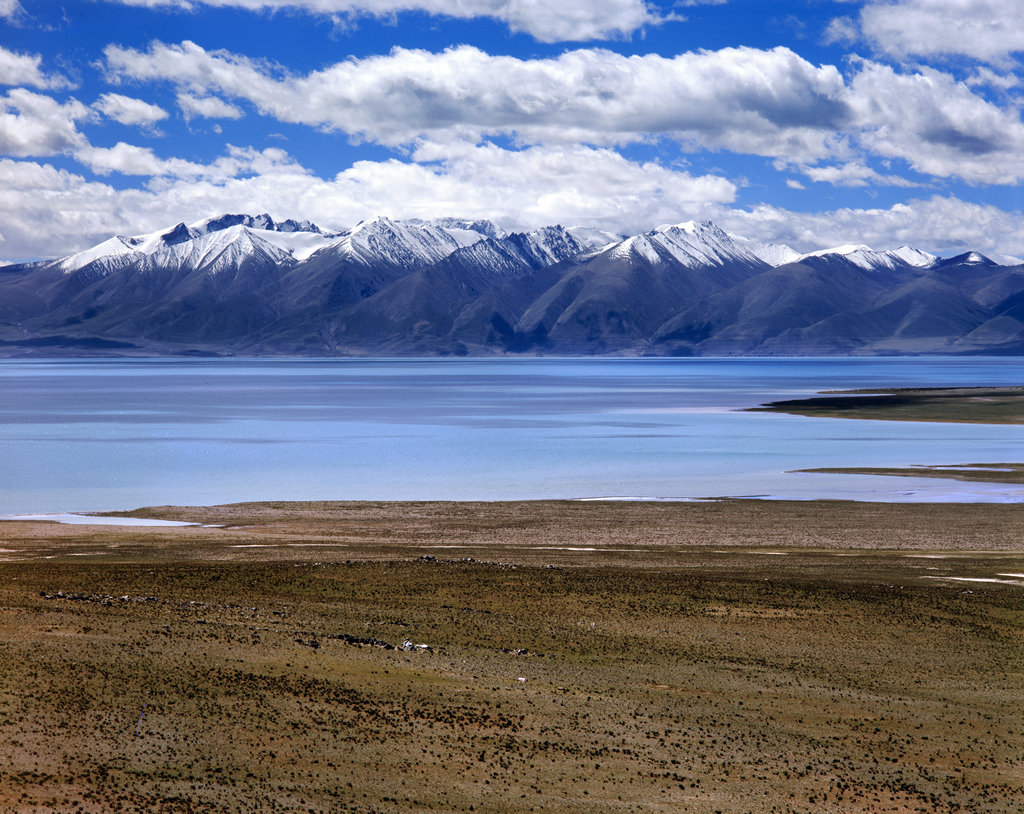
(79, 435)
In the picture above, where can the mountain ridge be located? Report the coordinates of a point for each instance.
(249, 285)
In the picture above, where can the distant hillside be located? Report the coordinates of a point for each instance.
(245, 285)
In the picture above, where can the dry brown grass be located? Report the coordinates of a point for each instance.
(723, 657)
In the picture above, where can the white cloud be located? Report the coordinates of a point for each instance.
(10, 9)
(32, 124)
(568, 20)
(742, 99)
(48, 212)
(24, 69)
(987, 30)
(937, 125)
(126, 110)
(841, 31)
(986, 76)
(130, 159)
(207, 107)
(762, 102)
(854, 174)
(51, 212)
(543, 185)
(941, 225)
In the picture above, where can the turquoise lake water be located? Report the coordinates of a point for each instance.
(95, 435)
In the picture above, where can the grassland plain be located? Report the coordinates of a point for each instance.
(606, 657)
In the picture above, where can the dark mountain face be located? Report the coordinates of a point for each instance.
(247, 285)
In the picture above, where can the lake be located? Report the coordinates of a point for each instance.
(95, 435)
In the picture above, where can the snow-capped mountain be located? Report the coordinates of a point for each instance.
(969, 259)
(192, 244)
(414, 243)
(774, 254)
(406, 243)
(867, 258)
(244, 284)
(693, 244)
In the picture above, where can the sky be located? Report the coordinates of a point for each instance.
(813, 123)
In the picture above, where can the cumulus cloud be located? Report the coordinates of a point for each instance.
(32, 124)
(207, 107)
(24, 69)
(520, 188)
(570, 184)
(987, 30)
(48, 211)
(942, 225)
(743, 99)
(1001, 81)
(568, 20)
(130, 159)
(937, 125)
(854, 174)
(126, 110)
(771, 103)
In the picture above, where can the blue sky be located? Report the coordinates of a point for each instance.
(811, 123)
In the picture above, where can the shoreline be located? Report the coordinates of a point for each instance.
(1006, 473)
(957, 405)
(982, 474)
(526, 532)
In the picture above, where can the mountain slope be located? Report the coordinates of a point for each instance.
(241, 284)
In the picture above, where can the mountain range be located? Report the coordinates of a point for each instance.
(249, 285)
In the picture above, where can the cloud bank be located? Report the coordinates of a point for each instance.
(770, 103)
(520, 189)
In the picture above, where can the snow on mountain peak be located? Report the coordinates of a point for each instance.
(410, 243)
(479, 226)
(593, 239)
(261, 222)
(553, 244)
(774, 254)
(871, 260)
(414, 243)
(914, 257)
(692, 227)
(693, 244)
(114, 248)
(220, 250)
(639, 245)
(294, 239)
